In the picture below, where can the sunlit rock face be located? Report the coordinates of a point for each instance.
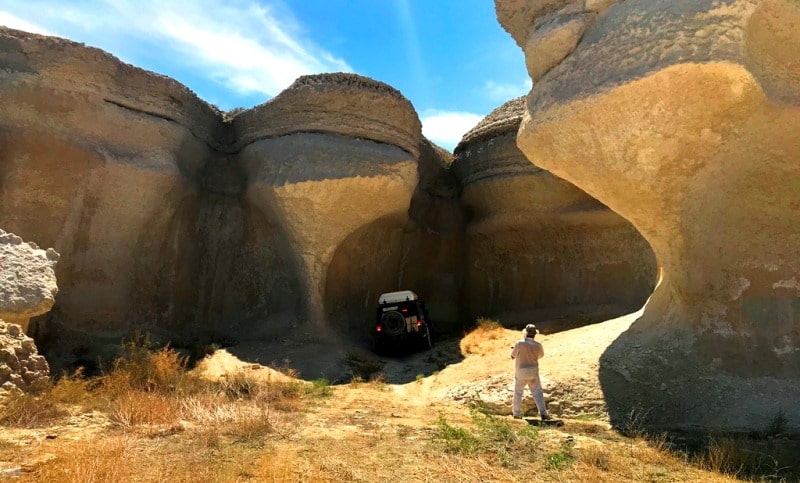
(173, 218)
(684, 117)
(343, 156)
(538, 248)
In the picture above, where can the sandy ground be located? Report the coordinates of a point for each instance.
(416, 388)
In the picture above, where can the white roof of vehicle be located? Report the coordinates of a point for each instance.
(395, 297)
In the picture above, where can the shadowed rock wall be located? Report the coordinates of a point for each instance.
(684, 117)
(538, 248)
(421, 250)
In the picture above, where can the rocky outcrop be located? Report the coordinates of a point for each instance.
(27, 279)
(325, 175)
(538, 248)
(684, 118)
(175, 219)
(22, 368)
(27, 288)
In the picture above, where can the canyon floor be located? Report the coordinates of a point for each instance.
(263, 424)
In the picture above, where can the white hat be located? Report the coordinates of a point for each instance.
(529, 331)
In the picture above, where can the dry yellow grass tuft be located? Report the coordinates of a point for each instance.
(478, 341)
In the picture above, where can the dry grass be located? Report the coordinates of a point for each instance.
(30, 411)
(165, 424)
(479, 340)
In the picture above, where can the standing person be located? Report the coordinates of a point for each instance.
(526, 354)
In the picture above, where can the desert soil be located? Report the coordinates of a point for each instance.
(382, 431)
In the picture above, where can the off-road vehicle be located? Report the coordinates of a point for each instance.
(402, 321)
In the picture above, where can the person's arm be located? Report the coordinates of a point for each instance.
(514, 350)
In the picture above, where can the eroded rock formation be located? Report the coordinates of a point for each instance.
(684, 117)
(538, 248)
(27, 288)
(176, 220)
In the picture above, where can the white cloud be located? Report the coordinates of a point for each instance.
(246, 46)
(505, 91)
(446, 128)
(15, 22)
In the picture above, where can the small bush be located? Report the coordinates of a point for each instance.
(240, 386)
(455, 439)
(140, 407)
(561, 458)
(320, 388)
(777, 424)
(71, 389)
(487, 324)
(30, 411)
(141, 367)
(492, 435)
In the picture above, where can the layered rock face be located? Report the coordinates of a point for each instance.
(538, 248)
(172, 218)
(684, 117)
(341, 159)
(27, 288)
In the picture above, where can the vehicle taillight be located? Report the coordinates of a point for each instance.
(404, 311)
(378, 328)
(419, 323)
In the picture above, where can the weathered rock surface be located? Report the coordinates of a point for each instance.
(27, 279)
(27, 288)
(172, 218)
(21, 366)
(538, 248)
(684, 117)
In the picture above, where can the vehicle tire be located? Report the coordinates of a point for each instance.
(393, 323)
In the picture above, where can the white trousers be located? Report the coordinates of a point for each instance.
(528, 376)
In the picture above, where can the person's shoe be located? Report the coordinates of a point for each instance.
(517, 416)
(546, 417)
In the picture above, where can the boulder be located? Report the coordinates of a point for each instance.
(27, 288)
(27, 279)
(538, 248)
(21, 366)
(684, 117)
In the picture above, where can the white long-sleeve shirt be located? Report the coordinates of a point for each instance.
(526, 353)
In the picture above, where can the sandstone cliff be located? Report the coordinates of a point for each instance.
(176, 220)
(538, 248)
(684, 117)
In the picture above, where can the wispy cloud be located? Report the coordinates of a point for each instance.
(505, 91)
(249, 47)
(446, 128)
(14, 22)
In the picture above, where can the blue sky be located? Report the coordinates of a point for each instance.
(449, 57)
